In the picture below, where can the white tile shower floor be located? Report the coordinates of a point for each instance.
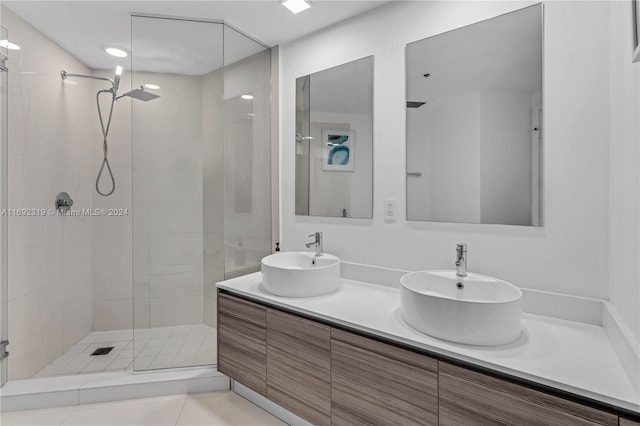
(147, 348)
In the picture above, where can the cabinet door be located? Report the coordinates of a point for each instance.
(627, 422)
(298, 366)
(373, 383)
(242, 338)
(470, 398)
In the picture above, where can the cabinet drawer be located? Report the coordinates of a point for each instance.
(379, 384)
(470, 398)
(298, 366)
(627, 422)
(242, 309)
(242, 352)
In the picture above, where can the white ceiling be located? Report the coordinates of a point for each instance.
(83, 27)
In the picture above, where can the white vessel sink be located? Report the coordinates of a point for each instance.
(300, 274)
(485, 311)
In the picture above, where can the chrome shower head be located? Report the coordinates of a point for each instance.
(140, 94)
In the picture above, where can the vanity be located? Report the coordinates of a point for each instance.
(348, 358)
(474, 123)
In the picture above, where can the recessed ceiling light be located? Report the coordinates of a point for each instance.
(151, 86)
(116, 51)
(8, 45)
(247, 97)
(296, 6)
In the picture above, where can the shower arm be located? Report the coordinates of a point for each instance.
(65, 74)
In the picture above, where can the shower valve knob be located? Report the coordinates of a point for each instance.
(63, 202)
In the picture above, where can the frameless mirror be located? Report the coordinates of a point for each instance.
(474, 122)
(334, 141)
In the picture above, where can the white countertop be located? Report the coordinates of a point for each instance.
(568, 355)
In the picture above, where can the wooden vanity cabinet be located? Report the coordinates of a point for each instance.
(242, 341)
(373, 383)
(333, 377)
(298, 366)
(470, 398)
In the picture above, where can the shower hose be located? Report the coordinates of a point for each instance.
(105, 144)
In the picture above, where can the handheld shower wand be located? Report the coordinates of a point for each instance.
(138, 93)
(116, 80)
(105, 133)
(115, 83)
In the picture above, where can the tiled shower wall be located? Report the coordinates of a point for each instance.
(159, 242)
(112, 249)
(51, 125)
(168, 206)
(180, 189)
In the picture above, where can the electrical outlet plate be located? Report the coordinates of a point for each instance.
(390, 210)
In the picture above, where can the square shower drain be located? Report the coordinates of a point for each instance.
(102, 351)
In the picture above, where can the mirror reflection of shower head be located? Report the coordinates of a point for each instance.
(140, 94)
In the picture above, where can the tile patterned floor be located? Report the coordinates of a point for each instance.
(210, 408)
(152, 348)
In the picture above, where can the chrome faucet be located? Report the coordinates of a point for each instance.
(317, 243)
(461, 260)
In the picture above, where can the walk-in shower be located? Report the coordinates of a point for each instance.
(134, 271)
(139, 94)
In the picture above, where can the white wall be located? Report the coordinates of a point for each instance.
(168, 202)
(570, 254)
(625, 165)
(50, 125)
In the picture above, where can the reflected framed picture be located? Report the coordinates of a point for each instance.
(635, 11)
(338, 150)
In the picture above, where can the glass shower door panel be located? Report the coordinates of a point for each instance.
(3, 205)
(170, 138)
(247, 153)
